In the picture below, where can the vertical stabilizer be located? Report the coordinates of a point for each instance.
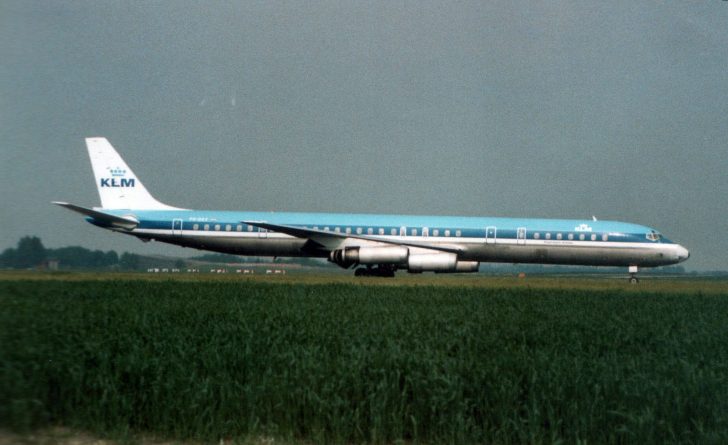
(118, 186)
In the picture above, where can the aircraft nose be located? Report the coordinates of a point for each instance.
(682, 253)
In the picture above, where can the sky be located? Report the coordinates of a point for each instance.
(505, 108)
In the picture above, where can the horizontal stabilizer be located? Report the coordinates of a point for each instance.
(123, 222)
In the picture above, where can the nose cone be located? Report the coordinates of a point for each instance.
(682, 253)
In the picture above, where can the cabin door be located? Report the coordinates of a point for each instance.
(490, 234)
(176, 227)
(521, 236)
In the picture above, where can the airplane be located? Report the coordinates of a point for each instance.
(373, 245)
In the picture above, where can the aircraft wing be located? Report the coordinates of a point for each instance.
(106, 218)
(331, 240)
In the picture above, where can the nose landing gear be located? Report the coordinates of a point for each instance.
(633, 274)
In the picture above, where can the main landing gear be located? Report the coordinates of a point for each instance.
(633, 274)
(383, 270)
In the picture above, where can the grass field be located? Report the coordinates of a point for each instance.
(682, 284)
(451, 360)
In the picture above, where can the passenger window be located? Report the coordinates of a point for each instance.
(381, 231)
(581, 237)
(571, 236)
(458, 233)
(228, 228)
(239, 228)
(435, 232)
(348, 230)
(536, 235)
(593, 237)
(207, 227)
(326, 229)
(370, 231)
(414, 232)
(548, 236)
(394, 232)
(447, 232)
(358, 230)
(195, 227)
(337, 229)
(558, 236)
(605, 237)
(250, 228)
(217, 227)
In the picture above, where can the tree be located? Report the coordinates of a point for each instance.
(71, 256)
(80, 257)
(111, 258)
(7, 258)
(129, 261)
(30, 252)
(98, 259)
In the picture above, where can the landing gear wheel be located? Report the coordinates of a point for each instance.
(361, 272)
(634, 280)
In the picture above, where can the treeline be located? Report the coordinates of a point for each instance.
(30, 253)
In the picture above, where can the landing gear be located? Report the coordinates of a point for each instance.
(383, 270)
(633, 274)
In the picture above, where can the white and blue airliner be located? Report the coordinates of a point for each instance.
(372, 244)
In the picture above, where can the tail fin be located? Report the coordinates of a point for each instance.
(118, 186)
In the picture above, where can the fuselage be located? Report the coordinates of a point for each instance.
(481, 239)
(380, 244)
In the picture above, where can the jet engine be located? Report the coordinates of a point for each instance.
(369, 255)
(401, 257)
(440, 263)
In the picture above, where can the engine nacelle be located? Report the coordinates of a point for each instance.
(466, 267)
(440, 263)
(369, 255)
(399, 256)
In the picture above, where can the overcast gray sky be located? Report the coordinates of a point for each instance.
(536, 109)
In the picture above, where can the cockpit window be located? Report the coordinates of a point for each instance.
(653, 236)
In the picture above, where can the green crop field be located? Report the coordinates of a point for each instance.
(302, 360)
